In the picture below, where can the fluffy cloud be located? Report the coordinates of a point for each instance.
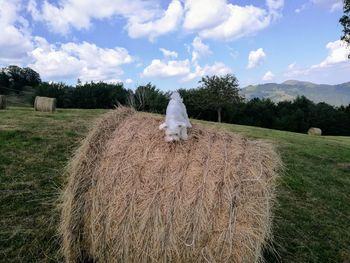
(168, 22)
(199, 49)
(337, 53)
(255, 58)
(268, 76)
(172, 68)
(204, 14)
(78, 14)
(234, 21)
(15, 40)
(129, 81)
(143, 19)
(85, 61)
(183, 69)
(218, 68)
(168, 53)
(334, 68)
(217, 19)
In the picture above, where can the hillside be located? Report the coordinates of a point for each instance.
(332, 94)
(311, 222)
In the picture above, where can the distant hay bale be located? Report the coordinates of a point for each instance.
(2, 102)
(314, 131)
(45, 104)
(131, 197)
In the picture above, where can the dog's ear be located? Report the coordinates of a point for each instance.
(163, 126)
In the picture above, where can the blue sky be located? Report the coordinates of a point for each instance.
(174, 43)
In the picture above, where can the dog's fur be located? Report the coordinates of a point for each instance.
(176, 120)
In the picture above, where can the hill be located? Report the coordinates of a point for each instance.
(311, 222)
(332, 94)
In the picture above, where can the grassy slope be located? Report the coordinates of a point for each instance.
(311, 220)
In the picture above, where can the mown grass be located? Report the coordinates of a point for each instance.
(312, 216)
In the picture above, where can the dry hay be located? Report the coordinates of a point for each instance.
(45, 104)
(2, 102)
(131, 197)
(314, 131)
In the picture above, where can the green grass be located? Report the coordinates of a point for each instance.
(312, 216)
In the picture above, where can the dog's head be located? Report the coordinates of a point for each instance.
(173, 132)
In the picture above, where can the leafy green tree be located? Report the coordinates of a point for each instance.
(16, 78)
(219, 91)
(4, 83)
(62, 92)
(149, 98)
(196, 108)
(99, 95)
(345, 22)
(32, 78)
(261, 112)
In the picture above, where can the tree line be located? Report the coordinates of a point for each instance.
(217, 98)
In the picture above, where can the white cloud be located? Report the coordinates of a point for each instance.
(199, 49)
(129, 81)
(78, 14)
(168, 53)
(172, 68)
(294, 71)
(183, 69)
(218, 68)
(302, 8)
(144, 18)
(333, 69)
(255, 58)
(275, 4)
(242, 21)
(337, 53)
(15, 39)
(216, 19)
(204, 14)
(332, 5)
(168, 22)
(274, 7)
(85, 61)
(268, 76)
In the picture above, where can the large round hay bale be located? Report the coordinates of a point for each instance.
(132, 197)
(2, 102)
(45, 104)
(314, 131)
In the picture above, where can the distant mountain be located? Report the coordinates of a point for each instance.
(332, 94)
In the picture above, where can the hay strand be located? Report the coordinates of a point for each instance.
(45, 104)
(131, 197)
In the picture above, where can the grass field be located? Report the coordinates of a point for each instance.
(312, 217)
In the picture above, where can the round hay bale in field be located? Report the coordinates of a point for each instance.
(132, 197)
(45, 104)
(314, 131)
(2, 102)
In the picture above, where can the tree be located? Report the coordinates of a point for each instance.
(16, 78)
(149, 98)
(4, 83)
(31, 76)
(220, 91)
(345, 22)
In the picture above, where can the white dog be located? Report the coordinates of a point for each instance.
(176, 119)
